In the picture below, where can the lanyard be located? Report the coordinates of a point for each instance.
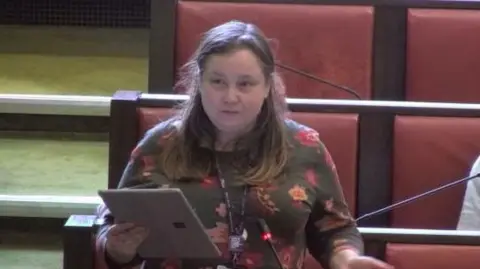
(236, 235)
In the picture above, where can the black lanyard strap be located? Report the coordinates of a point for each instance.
(236, 230)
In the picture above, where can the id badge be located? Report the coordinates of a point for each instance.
(235, 243)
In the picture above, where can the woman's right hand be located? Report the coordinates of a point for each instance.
(123, 240)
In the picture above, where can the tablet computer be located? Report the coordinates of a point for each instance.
(175, 231)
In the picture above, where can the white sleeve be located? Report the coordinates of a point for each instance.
(470, 213)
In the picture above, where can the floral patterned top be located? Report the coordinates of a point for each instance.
(307, 211)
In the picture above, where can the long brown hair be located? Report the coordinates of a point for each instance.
(266, 145)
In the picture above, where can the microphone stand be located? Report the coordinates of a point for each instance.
(267, 236)
(411, 199)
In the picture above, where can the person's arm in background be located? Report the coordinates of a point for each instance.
(141, 169)
(470, 213)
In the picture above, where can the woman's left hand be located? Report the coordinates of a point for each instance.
(365, 262)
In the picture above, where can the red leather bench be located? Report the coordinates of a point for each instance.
(410, 50)
(429, 152)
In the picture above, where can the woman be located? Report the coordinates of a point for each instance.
(235, 156)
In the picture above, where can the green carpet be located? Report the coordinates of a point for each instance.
(60, 60)
(40, 74)
(30, 250)
(64, 60)
(52, 166)
(72, 60)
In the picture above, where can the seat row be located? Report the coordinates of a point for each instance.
(384, 50)
(385, 152)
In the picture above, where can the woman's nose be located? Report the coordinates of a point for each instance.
(231, 95)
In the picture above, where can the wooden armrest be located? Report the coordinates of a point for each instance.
(78, 249)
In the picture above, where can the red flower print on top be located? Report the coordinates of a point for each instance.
(171, 264)
(329, 205)
(298, 193)
(208, 182)
(221, 210)
(286, 256)
(135, 153)
(308, 138)
(252, 260)
(329, 160)
(311, 177)
(263, 198)
(330, 222)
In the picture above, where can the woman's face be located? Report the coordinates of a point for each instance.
(233, 90)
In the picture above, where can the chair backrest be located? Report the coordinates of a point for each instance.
(304, 36)
(430, 152)
(442, 57)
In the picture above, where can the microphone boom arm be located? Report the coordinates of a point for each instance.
(317, 79)
(411, 199)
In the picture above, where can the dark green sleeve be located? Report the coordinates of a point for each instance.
(330, 227)
(141, 169)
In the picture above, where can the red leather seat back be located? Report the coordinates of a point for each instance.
(332, 42)
(150, 116)
(443, 59)
(406, 256)
(429, 152)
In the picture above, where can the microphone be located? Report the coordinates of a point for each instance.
(419, 196)
(267, 236)
(321, 80)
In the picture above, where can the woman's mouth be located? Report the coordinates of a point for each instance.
(230, 112)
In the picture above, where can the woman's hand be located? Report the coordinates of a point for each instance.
(365, 262)
(349, 259)
(123, 241)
